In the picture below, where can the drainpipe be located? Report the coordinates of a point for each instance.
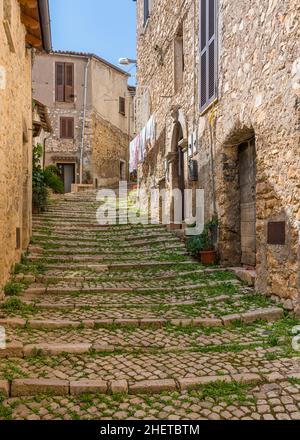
(84, 118)
(45, 24)
(44, 149)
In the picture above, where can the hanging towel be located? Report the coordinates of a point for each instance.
(134, 154)
(142, 145)
(150, 131)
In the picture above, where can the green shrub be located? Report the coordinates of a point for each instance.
(12, 289)
(53, 180)
(39, 188)
(13, 304)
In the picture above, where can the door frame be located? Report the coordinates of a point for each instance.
(62, 175)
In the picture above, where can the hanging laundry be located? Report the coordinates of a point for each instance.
(150, 131)
(134, 154)
(142, 145)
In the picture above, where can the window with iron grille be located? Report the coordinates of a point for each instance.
(208, 52)
(66, 128)
(122, 109)
(64, 82)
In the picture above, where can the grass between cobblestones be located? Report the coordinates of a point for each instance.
(140, 353)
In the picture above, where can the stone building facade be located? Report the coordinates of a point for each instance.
(91, 112)
(24, 27)
(222, 80)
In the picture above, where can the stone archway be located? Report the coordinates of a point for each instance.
(237, 200)
(177, 168)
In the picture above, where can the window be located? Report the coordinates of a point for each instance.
(122, 109)
(178, 60)
(67, 128)
(146, 10)
(208, 53)
(64, 82)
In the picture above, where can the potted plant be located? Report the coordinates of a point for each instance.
(203, 245)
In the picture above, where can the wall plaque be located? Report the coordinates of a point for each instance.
(276, 233)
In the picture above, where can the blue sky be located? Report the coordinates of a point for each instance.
(103, 27)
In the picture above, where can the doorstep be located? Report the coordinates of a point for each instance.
(244, 274)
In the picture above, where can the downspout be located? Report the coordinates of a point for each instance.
(45, 24)
(83, 120)
(44, 149)
(212, 162)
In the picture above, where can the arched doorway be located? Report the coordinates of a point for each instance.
(237, 200)
(247, 189)
(178, 177)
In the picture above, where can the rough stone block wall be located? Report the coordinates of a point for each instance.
(15, 142)
(258, 92)
(64, 148)
(110, 145)
(258, 95)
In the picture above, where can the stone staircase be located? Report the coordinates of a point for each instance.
(109, 318)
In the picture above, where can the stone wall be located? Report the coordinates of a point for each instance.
(110, 145)
(258, 96)
(59, 150)
(15, 142)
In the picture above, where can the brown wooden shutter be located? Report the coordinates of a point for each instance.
(67, 128)
(69, 82)
(63, 128)
(59, 82)
(208, 51)
(122, 106)
(70, 128)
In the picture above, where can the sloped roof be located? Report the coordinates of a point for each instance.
(90, 55)
(35, 16)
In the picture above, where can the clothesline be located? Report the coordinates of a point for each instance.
(139, 145)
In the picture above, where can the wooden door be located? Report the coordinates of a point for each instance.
(247, 179)
(67, 173)
(181, 178)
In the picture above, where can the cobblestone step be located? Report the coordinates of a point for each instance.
(119, 266)
(129, 249)
(168, 338)
(270, 401)
(122, 287)
(51, 319)
(142, 373)
(120, 242)
(59, 387)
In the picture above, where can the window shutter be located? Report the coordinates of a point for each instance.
(70, 128)
(208, 68)
(67, 128)
(69, 82)
(59, 82)
(122, 106)
(63, 128)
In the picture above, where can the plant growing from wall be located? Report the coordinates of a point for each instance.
(39, 187)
